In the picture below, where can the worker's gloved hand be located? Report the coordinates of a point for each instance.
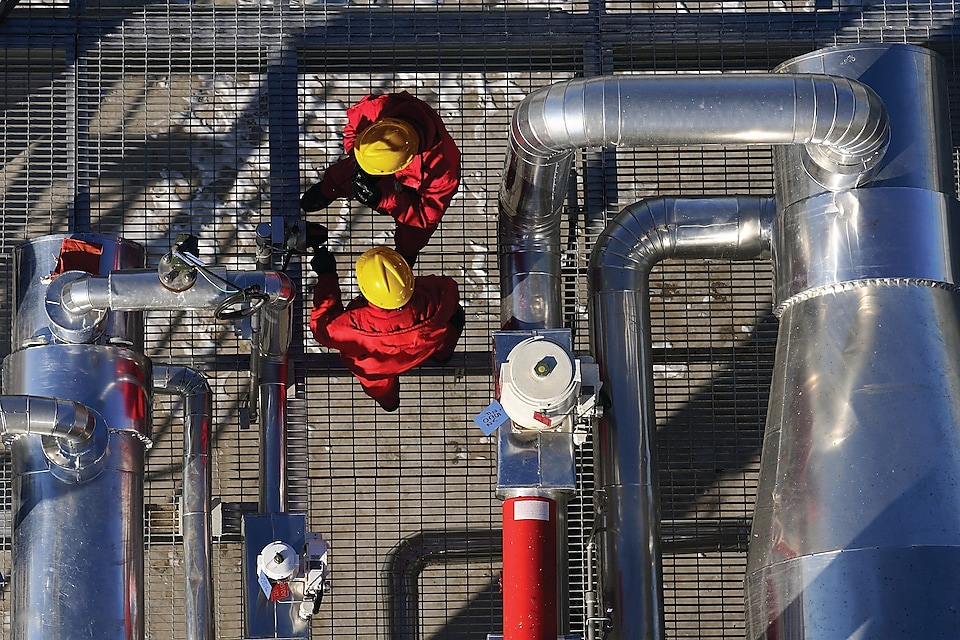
(323, 261)
(365, 189)
(314, 200)
(315, 234)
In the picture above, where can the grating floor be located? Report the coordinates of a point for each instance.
(149, 119)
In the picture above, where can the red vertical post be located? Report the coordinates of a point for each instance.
(529, 568)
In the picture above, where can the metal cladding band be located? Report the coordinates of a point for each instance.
(841, 122)
(34, 415)
(405, 562)
(628, 506)
(903, 223)
(856, 531)
(195, 510)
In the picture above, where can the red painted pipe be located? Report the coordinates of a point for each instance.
(529, 569)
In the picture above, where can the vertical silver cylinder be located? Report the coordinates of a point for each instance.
(78, 545)
(857, 525)
(898, 225)
(36, 259)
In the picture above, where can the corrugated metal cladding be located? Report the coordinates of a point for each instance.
(150, 119)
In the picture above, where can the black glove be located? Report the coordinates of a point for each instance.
(315, 234)
(365, 189)
(323, 261)
(314, 200)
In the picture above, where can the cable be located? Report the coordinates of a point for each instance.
(249, 294)
(238, 295)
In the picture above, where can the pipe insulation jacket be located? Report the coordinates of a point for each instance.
(841, 122)
(140, 289)
(35, 415)
(628, 501)
(195, 523)
(856, 527)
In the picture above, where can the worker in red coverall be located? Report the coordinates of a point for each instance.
(400, 161)
(396, 324)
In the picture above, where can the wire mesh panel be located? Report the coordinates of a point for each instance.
(155, 119)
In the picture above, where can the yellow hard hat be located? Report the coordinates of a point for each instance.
(385, 278)
(386, 146)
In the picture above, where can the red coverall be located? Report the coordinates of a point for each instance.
(417, 196)
(377, 345)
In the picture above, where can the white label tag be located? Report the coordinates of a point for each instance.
(531, 510)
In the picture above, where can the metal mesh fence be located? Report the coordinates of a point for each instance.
(149, 120)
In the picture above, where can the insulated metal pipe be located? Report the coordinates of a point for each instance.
(139, 289)
(856, 531)
(839, 121)
(78, 539)
(839, 130)
(197, 397)
(627, 501)
(276, 329)
(33, 415)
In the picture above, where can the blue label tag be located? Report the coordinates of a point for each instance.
(491, 418)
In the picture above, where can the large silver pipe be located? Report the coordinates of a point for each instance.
(197, 397)
(78, 545)
(839, 122)
(78, 539)
(35, 261)
(857, 525)
(628, 505)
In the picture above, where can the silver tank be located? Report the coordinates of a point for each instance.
(78, 545)
(36, 259)
(857, 526)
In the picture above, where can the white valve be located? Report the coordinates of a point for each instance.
(278, 561)
(539, 384)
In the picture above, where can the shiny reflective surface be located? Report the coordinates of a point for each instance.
(36, 259)
(140, 289)
(265, 619)
(856, 532)
(78, 541)
(195, 523)
(866, 234)
(78, 547)
(841, 122)
(628, 501)
(911, 81)
(860, 479)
